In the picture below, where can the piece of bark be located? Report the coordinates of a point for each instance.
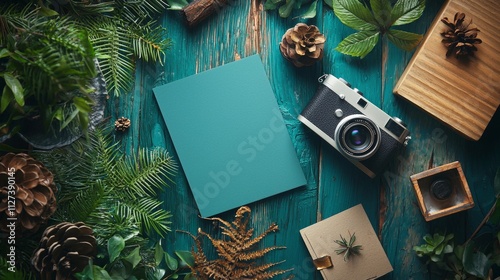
(199, 10)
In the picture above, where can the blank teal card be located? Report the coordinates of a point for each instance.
(230, 136)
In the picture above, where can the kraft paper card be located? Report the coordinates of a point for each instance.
(370, 263)
(230, 136)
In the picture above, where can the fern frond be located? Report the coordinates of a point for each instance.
(143, 175)
(135, 11)
(113, 47)
(149, 43)
(86, 202)
(82, 8)
(148, 213)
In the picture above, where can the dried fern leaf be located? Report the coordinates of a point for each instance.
(237, 258)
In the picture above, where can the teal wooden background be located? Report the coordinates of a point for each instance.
(241, 29)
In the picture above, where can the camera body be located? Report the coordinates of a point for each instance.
(359, 130)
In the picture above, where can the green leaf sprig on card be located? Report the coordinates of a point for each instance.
(285, 7)
(377, 22)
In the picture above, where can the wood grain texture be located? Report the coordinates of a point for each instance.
(243, 28)
(463, 93)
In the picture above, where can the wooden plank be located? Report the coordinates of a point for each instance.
(461, 93)
(242, 29)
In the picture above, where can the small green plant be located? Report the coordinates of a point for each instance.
(377, 22)
(347, 247)
(435, 247)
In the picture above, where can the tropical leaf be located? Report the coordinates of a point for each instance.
(359, 44)
(382, 11)
(354, 14)
(407, 11)
(404, 40)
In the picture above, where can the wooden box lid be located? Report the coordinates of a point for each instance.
(463, 94)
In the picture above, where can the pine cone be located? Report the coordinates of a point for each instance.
(459, 38)
(122, 124)
(64, 249)
(34, 190)
(302, 45)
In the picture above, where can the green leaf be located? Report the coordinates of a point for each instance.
(496, 183)
(186, 258)
(354, 14)
(495, 216)
(16, 87)
(404, 40)
(189, 276)
(428, 239)
(134, 257)
(381, 11)
(115, 246)
(476, 262)
(329, 3)
(158, 273)
(406, 11)
(177, 4)
(81, 104)
(438, 239)
(172, 262)
(44, 11)
(158, 254)
(286, 10)
(459, 251)
(359, 44)
(311, 11)
(270, 5)
(4, 53)
(101, 274)
(87, 273)
(7, 97)
(448, 249)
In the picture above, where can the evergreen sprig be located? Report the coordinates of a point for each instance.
(377, 22)
(111, 192)
(347, 247)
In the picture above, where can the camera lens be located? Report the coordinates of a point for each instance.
(357, 137)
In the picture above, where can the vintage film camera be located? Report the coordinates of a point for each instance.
(359, 130)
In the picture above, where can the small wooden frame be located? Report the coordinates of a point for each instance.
(432, 207)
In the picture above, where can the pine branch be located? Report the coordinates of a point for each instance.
(148, 214)
(114, 51)
(149, 43)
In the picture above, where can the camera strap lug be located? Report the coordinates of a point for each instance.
(322, 78)
(407, 139)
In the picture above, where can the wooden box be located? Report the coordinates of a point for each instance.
(435, 199)
(462, 93)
